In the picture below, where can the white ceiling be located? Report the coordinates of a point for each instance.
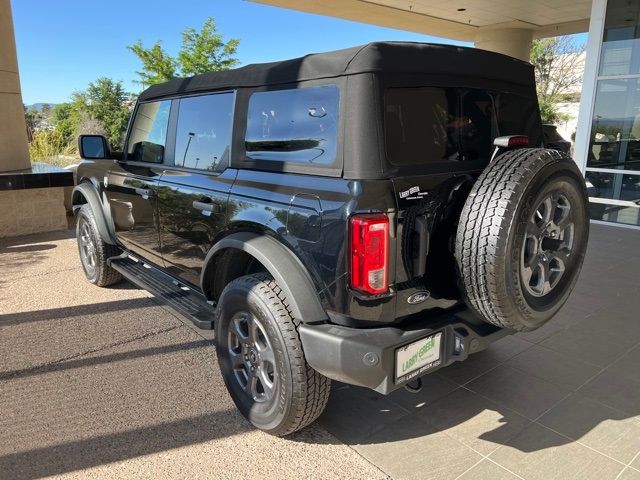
(457, 19)
(480, 13)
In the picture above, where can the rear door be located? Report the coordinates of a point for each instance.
(193, 193)
(438, 140)
(132, 183)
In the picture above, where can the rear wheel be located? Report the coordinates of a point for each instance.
(522, 238)
(261, 358)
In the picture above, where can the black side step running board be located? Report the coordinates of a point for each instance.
(184, 300)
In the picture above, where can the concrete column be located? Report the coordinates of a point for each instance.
(14, 152)
(515, 42)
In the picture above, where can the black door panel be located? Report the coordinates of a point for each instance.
(131, 190)
(193, 210)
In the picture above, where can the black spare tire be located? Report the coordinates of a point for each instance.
(522, 238)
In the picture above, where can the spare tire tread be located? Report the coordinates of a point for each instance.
(487, 219)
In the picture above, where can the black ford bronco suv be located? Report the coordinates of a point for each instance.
(368, 215)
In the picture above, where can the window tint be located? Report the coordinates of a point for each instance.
(149, 132)
(203, 134)
(298, 125)
(518, 115)
(432, 124)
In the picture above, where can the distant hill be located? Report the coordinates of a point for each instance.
(38, 106)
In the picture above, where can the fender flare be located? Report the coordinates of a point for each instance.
(287, 270)
(89, 192)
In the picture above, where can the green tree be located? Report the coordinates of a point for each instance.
(65, 117)
(201, 51)
(558, 64)
(32, 118)
(106, 101)
(100, 109)
(45, 110)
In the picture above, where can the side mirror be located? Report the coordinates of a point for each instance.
(93, 147)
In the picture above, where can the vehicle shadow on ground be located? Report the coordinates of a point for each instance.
(93, 451)
(10, 319)
(17, 253)
(102, 359)
(497, 407)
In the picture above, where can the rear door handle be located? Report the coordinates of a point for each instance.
(145, 193)
(208, 206)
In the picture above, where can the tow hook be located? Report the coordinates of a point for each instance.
(414, 386)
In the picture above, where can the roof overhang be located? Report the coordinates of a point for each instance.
(454, 19)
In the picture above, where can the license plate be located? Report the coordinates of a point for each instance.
(418, 357)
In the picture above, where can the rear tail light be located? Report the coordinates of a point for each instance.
(511, 141)
(370, 253)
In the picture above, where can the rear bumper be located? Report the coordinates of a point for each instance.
(366, 357)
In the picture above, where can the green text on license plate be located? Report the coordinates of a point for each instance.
(417, 357)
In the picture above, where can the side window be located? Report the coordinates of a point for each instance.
(422, 125)
(297, 125)
(433, 124)
(476, 138)
(148, 135)
(518, 115)
(203, 134)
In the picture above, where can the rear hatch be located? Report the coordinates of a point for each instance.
(437, 142)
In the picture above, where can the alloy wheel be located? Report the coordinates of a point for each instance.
(252, 357)
(548, 244)
(87, 248)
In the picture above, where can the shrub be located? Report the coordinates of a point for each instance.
(51, 146)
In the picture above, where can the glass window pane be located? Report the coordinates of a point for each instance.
(433, 124)
(203, 134)
(479, 125)
(421, 125)
(621, 42)
(614, 197)
(149, 132)
(297, 125)
(518, 115)
(615, 132)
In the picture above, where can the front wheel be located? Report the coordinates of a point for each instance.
(261, 358)
(94, 251)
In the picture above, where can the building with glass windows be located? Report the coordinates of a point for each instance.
(610, 116)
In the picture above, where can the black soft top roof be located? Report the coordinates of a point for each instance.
(399, 57)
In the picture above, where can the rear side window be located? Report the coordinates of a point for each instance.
(518, 115)
(297, 125)
(203, 134)
(148, 136)
(434, 125)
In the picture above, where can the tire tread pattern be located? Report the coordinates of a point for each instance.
(105, 275)
(485, 223)
(310, 388)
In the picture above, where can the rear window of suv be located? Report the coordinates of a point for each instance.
(295, 125)
(435, 124)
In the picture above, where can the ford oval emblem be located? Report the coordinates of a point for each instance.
(418, 297)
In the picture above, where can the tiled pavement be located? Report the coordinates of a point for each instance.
(106, 383)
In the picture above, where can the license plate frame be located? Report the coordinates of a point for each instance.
(418, 357)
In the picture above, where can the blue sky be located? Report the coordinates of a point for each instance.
(65, 44)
